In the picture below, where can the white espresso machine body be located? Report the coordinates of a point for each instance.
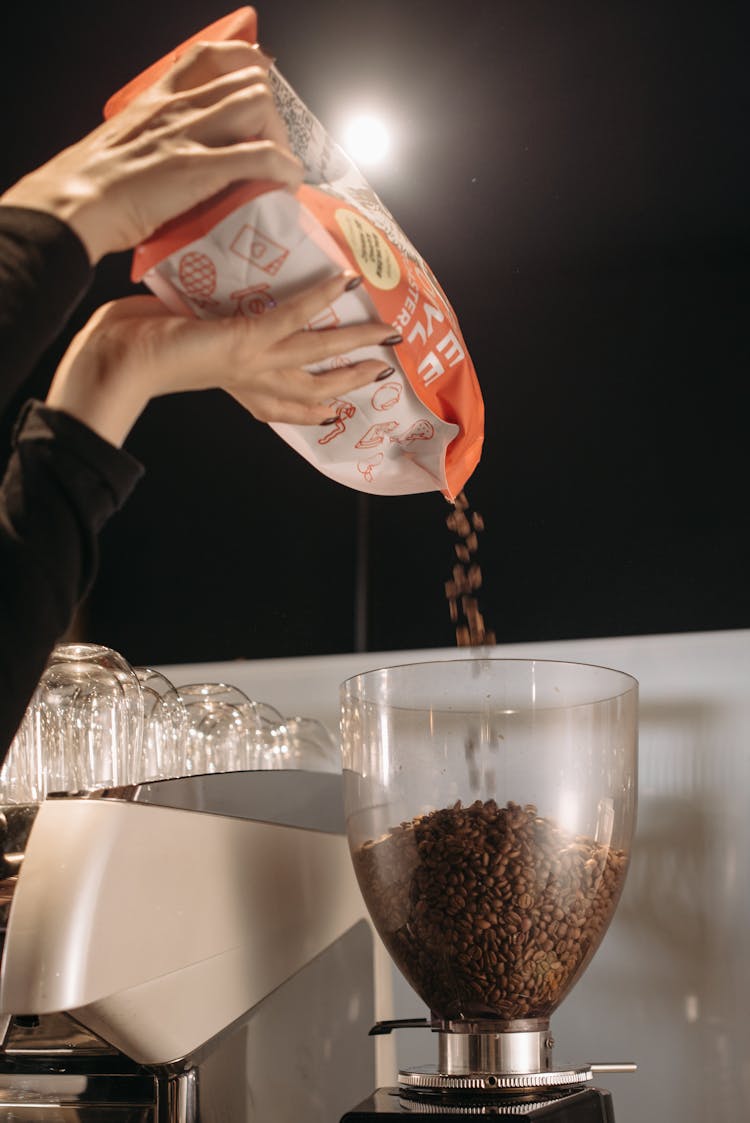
(206, 934)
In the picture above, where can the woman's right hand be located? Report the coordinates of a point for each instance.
(134, 349)
(208, 122)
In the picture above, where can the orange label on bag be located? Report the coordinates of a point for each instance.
(433, 355)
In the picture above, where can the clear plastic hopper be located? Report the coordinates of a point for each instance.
(490, 810)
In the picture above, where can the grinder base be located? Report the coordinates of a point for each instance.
(581, 1105)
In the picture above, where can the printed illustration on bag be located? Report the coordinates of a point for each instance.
(343, 412)
(255, 246)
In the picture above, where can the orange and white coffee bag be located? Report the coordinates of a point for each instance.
(244, 251)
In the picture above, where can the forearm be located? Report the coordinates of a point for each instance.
(68, 198)
(44, 273)
(99, 394)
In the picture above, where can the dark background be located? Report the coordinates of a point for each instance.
(575, 172)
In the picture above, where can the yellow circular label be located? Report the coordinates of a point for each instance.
(373, 255)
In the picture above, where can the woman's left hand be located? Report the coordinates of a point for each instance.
(133, 349)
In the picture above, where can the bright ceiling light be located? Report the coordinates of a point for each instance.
(366, 140)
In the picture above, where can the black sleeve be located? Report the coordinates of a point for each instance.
(44, 273)
(62, 484)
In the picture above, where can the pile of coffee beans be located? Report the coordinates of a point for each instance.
(461, 591)
(489, 911)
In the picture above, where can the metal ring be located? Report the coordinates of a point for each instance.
(430, 1078)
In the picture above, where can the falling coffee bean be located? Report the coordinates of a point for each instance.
(467, 618)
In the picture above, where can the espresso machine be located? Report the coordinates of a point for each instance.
(182, 937)
(192, 949)
(490, 811)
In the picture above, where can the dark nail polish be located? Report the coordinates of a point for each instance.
(385, 374)
(352, 284)
(392, 340)
(329, 421)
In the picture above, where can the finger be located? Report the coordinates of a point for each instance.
(307, 347)
(269, 408)
(205, 61)
(340, 381)
(312, 390)
(220, 87)
(214, 168)
(296, 397)
(294, 313)
(247, 113)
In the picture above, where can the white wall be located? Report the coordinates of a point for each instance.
(670, 985)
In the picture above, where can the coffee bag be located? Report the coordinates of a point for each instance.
(254, 244)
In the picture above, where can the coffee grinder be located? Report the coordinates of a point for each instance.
(490, 811)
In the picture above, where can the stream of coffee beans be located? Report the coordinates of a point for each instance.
(489, 911)
(461, 591)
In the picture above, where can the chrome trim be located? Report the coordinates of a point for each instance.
(182, 1098)
(285, 797)
(429, 1079)
(70, 1088)
(613, 1066)
(517, 1051)
(57, 1035)
(427, 1107)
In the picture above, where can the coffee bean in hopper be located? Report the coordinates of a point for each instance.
(489, 911)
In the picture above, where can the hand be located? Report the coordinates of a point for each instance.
(132, 350)
(208, 122)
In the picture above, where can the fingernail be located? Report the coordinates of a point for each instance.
(353, 283)
(385, 374)
(392, 340)
(329, 421)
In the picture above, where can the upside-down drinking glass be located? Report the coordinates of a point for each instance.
(164, 727)
(85, 719)
(223, 729)
(304, 742)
